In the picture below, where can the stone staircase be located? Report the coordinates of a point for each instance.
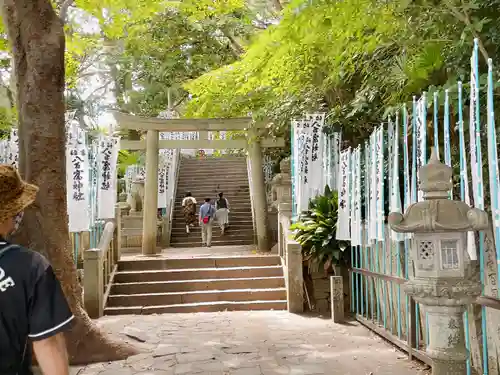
(209, 284)
(205, 178)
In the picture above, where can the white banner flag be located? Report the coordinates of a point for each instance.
(336, 143)
(372, 221)
(162, 186)
(395, 191)
(421, 141)
(317, 183)
(472, 134)
(343, 219)
(304, 153)
(355, 204)
(107, 157)
(4, 151)
(477, 182)
(380, 184)
(13, 156)
(296, 126)
(77, 185)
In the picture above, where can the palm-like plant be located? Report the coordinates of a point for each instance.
(315, 231)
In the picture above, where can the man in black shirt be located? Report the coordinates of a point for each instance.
(33, 309)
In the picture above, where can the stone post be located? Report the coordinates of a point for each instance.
(117, 236)
(259, 200)
(292, 253)
(150, 225)
(444, 281)
(295, 278)
(337, 298)
(93, 282)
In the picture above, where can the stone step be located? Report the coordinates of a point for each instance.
(196, 162)
(241, 199)
(215, 242)
(234, 222)
(237, 204)
(232, 168)
(216, 236)
(235, 227)
(175, 298)
(194, 263)
(237, 222)
(197, 274)
(198, 285)
(208, 159)
(201, 193)
(237, 213)
(225, 174)
(136, 250)
(199, 307)
(221, 174)
(209, 186)
(233, 216)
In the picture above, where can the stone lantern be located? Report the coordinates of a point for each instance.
(281, 185)
(444, 280)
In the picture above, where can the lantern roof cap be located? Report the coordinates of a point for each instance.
(438, 213)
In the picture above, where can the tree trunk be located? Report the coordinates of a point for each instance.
(38, 43)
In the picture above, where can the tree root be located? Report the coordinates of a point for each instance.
(87, 344)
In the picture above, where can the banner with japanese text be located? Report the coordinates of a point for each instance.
(77, 187)
(13, 152)
(107, 157)
(344, 224)
(317, 184)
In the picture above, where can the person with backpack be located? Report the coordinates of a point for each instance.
(207, 212)
(222, 213)
(189, 210)
(34, 312)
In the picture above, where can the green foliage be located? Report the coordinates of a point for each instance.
(315, 231)
(352, 59)
(184, 41)
(127, 159)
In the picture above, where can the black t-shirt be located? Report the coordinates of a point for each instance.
(32, 307)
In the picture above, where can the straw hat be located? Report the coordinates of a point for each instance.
(15, 194)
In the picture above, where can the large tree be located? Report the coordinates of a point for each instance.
(38, 45)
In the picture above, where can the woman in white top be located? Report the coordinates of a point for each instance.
(222, 213)
(189, 208)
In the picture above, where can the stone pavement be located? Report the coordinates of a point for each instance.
(249, 343)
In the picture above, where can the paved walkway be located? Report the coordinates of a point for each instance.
(249, 343)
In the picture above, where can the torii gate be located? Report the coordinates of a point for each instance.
(153, 144)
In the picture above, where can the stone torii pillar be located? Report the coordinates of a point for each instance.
(259, 199)
(150, 210)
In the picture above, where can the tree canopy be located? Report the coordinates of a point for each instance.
(356, 59)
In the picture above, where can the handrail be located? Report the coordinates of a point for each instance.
(171, 205)
(100, 266)
(106, 237)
